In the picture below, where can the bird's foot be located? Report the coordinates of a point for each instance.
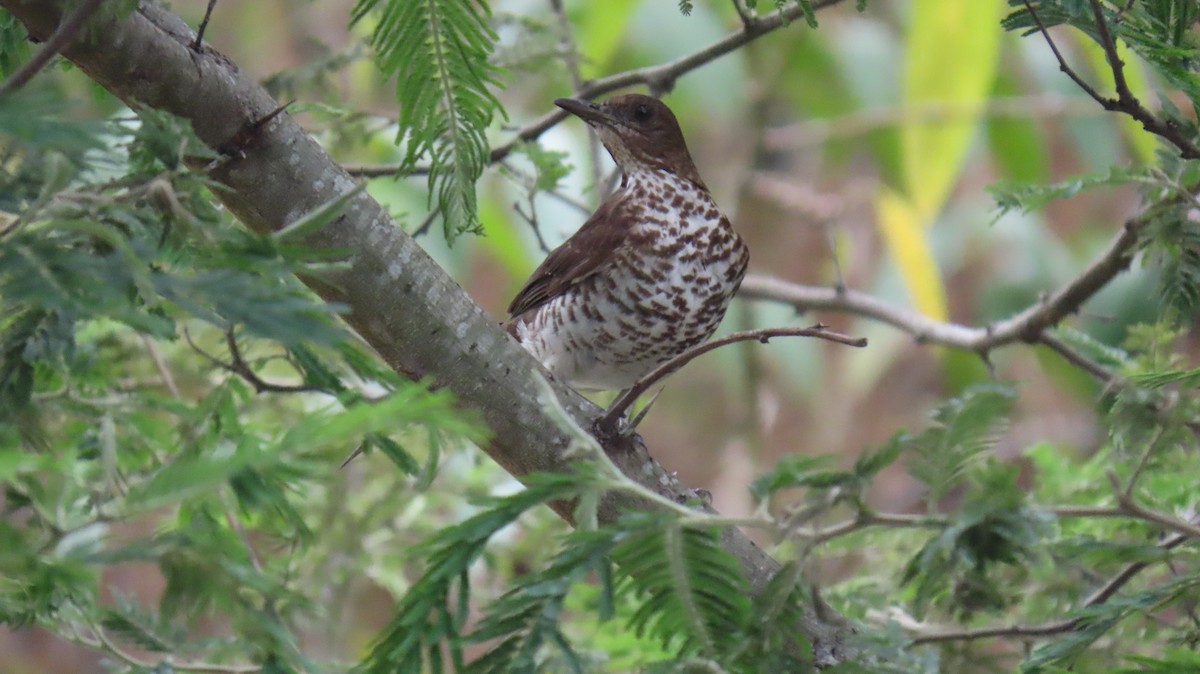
(622, 427)
(704, 496)
(606, 430)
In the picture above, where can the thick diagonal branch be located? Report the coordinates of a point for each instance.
(405, 306)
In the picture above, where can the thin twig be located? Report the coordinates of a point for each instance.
(1143, 460)
(423, 228)
(1125, 102)
(1129, 505)
(63, 35)
(1062, 62)
(531, 219)
(1110, 51)
(103, 642)
(609, 421)
(658, 77)
(745, 14)
(1101, 596)
(203, 25)
(867, 518)
(160, 364)
(1120, 15)
(1074, 357)
(241, 368)
(529, 182)
(571, 56)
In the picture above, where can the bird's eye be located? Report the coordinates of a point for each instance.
(641, 113)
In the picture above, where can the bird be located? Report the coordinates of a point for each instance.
(649, 275)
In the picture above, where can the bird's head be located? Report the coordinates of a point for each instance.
(640, 132)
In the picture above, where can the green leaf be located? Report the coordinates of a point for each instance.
(392, 450)
(438, 51)
(1027, 197)
(797, 471)
(955, 567)
(962, 429)
(423, 624)
(526, 618)
(870, 463)
(692, 592)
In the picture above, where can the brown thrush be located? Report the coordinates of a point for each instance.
(649, 275)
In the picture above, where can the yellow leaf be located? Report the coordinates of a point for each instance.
(903, 229)
(1141, 142)
(951, 54)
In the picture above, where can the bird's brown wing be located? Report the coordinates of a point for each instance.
(577, 258)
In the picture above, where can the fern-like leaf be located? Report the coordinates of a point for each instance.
(692, 591)
(426, 622)
(438, 50)
(526, 618)
(963, 428)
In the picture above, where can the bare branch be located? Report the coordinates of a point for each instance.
(66, 32)
(160, 364)
(1125, 102)
(1027, 326)
(101, 641)
(608, 423)
(1062, 62)
(658, 77)
(531, 219)
(1074, 357)
(744, 13)
(530, 182)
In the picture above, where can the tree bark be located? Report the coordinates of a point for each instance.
(400, 301)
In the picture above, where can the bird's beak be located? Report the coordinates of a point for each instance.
(586, 110)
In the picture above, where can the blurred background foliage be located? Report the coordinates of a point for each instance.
(158, 501)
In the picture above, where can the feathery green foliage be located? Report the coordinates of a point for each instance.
(1025, 197)
(434, 610)
(137, 325)
(956, 566)
(963, 429)
(692, 591)
(527, 618)
(438, 51)
(171, 399)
